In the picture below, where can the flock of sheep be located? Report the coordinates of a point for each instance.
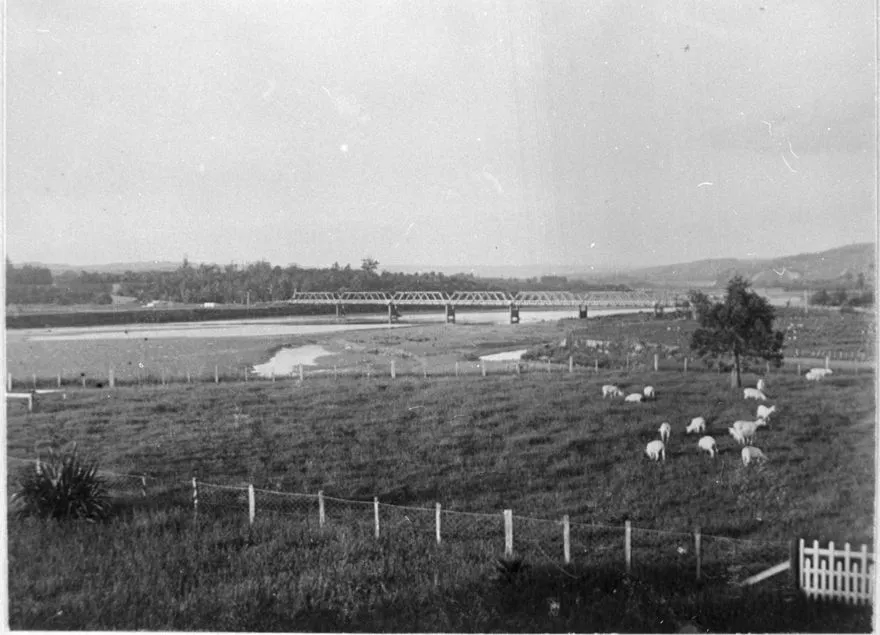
(743, 432)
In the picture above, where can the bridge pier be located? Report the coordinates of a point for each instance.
(514, 314)
(393, 313)
(582, 312)
(450, 313)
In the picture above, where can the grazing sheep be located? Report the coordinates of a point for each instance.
(751, 453)
(747, 429)
(764, 412)
(737, 435)
(761, 385)
(816, 374)
(665, 430)
(649, 392)
(655, 449)
(708, 444)
(698, 424)
(633, 398)
(610, 390)
(754, 393)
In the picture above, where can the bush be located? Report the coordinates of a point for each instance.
(64, 486)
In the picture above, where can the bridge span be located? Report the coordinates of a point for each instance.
(498, 299)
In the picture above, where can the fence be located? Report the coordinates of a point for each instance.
(841, 362)
(840, 574)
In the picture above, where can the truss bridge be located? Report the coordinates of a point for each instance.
(490, 299)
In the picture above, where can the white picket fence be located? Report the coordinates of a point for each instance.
(840, 574)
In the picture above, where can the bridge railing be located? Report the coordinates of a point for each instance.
(479, 298)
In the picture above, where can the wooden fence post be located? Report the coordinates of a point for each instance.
(768, 368)
(300, 372)
(216, 374)
(518, 370)
(794, 559)
(548, 366)
(163, 377)
(656, 362)
(111, 380)
(57, 378)
(83, 375)
(188, 377)
(8, 382)
(424, 371)
(252, 504)
(508, 533)
(437, 521)
(570, 364)
(335, 374)
(143, 486)
(393, 374)
(376, 514)
(483, 367)
(245, 373)
(596, 365)
(566, 539)
(685, 365)
(627, 545)
(34, 380)
(321, 517)
(799, 369)
(827, 361)
(697, 539)
(456, 369)
(195, 497)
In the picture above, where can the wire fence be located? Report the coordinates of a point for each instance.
(585, 364)
(536, 541)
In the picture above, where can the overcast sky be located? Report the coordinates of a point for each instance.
(600, 133)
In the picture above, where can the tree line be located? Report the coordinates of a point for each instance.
(253, 283)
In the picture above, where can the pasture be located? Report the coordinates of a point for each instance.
(541, 445)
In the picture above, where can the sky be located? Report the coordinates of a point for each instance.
(599, 134)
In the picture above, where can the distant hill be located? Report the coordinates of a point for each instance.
(114, 267)
(838, 265)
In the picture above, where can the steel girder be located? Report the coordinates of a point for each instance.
(364, 297)
(313, 297)
(420, 298)
(546, 298)
(634, 299)
(480, 298)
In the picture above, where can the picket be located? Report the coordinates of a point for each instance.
(836, 573)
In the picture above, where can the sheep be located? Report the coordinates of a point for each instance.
(633, 398)
(649, 392)
(745, 430)
(754, 393)
(610, 390)
(708, 444)
(656, 449)
(817, 374)
(665, 430)
(761, 385)
(764, 412)
(751, 453)
(698, 424)
(737, 435)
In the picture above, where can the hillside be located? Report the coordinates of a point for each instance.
(841, 265)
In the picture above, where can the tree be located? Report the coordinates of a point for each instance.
(741, 325)
(369, 265)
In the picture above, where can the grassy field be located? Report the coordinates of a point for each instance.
(541, 445)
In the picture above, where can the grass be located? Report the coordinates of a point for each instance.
(542, 446)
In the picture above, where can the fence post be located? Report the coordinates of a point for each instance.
(566, 539)
(335, 375)
(83, 375)
(794, 559)
(8, 382)
(252, 504)
(596, 365)
(437, 521)
(456, 369)
(143, 486)
(768, 368)
(518, 371)
(508, 533)
(300, 372)
(548, 366)
(110, 378)
(685, 365)
(483, 367)
(827, 361)
(424, 371)
(216, 374)
(58, 379)
(393, 374)
(799, 369)
(376, 514)
(697, 539)
(245, 373)
(195, 497)
(570, 364)
(627, 545)
(188, 377)
(656, 361)
(34, 380)
(321, 517)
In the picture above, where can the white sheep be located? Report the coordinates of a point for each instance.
(610, 390)
(697, 424)
(754, 393)
(745, 430)
(649, 392)
(708, 444)
(665, 430)
(737, 435)
(817, 374)
(655, 449)
(751, 453)
(761, 385)
(764, 412)
(633, 398)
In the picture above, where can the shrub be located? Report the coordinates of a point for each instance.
(64, 486)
